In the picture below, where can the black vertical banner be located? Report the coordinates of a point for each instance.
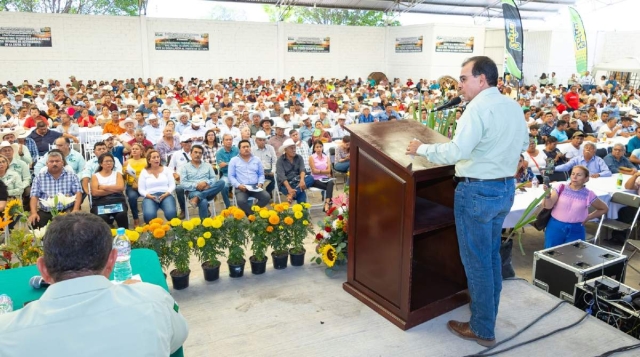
(514, 38)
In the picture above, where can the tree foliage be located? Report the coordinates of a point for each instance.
(85, 7)
(325, 16)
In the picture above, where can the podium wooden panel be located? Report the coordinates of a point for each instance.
(404, 261)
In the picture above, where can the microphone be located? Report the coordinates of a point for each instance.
(453, 102)
(38, 283)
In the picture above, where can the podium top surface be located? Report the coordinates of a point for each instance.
(392, 138)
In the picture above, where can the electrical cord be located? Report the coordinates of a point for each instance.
(482, 354)
(621, 349)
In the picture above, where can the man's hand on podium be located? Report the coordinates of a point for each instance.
(413, 147)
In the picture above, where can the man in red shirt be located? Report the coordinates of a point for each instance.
(572, 98)
(35, 117)
(559, 106)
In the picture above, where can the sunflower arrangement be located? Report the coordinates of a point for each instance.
(24, 245)
(332, 238)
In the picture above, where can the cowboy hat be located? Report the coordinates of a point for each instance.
(125, 121)
(17, 131)
(197, 120)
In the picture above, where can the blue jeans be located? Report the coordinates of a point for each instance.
(225, 191)
(132, 198)
(480, 209)
(150, 207)
(205, 196)
(301, 195)
(558, 232)
(180, 196)
(341, 166)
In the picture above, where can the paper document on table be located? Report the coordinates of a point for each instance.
(253, 188)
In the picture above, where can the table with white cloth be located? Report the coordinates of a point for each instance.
(87, 133)
(603, 187)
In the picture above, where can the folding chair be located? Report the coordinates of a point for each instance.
(322, 197)
(335, 173)
(594, 238)
(212, 206)
(625, 199)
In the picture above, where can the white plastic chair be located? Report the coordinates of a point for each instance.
(212, 206)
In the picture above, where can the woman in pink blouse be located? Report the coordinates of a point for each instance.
(569, 206)
(321, 172)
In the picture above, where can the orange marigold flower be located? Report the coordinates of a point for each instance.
(274, 219)
(239, 214)
(166, 227)
(252, 218)
(159, 233)
(156, 220)
(154, 226)
(269, 229)
(288, 221)
(278, 207)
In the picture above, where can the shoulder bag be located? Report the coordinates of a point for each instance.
(542, 219)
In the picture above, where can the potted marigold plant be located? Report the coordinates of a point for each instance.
(209, 246)
(332, 238)
(296, 225)
(156, 236)
(181, 246)
(234, 231)
(262, 235)
(281, 240)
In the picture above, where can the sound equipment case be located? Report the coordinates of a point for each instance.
(558, 269)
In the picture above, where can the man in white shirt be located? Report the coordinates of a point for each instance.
(339, 131)
(178, 160)
(171, 104)
(82, 310)
(575, 146)
(196, 131)
(153, 131)
(485, 150)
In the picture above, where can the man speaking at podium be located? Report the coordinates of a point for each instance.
(485, 150)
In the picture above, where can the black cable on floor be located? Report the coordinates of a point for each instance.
(482, 354)
(621, 349)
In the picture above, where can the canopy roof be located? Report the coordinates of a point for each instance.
(529, 9)
(626, 64)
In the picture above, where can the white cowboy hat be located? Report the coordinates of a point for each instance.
(286, 144)
(197, 120)
(229, 115)
(6, 144)
(261, 135)
(17, 131)
(125, 121)
(151, 117)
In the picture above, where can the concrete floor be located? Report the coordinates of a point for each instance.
(301, 310)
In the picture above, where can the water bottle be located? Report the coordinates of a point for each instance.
(619, 182)
(122, 269)
(6, 304)
(534, 182)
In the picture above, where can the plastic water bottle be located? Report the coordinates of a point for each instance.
(619, 182)
(534, 182)
(6, 304)
(122, 269)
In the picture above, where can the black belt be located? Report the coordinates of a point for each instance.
(471, 179)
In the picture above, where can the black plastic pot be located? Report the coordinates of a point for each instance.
(236, 271)
(280, 262)
(211, 273)
(297, 260)
(258, 268)
(179, 280)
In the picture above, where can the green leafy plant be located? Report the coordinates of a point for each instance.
(209, 243)
(234, 231)
(528, 217)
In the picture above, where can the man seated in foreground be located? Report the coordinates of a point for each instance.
(82, 310)
(246, 174)
(617, 162)
(597, 167)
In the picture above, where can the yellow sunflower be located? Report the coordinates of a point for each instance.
(12, 208)
(329, 255)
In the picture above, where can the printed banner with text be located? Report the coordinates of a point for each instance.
(25, 37)
(514, 38)
(408, 44)
(309, 44)
(454, 44)
(171, 41)
(580, 41)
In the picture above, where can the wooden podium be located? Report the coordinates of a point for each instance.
(403, 260)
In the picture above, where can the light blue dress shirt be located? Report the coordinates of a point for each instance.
(243, 172)
(488, 141)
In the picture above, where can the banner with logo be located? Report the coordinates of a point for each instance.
(580, 41)
(172, 41)
(309, 44)
(514, 39)
(408, 44)
(454, 44)
(25, 37)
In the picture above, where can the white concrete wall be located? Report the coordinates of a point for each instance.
(107, 47)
